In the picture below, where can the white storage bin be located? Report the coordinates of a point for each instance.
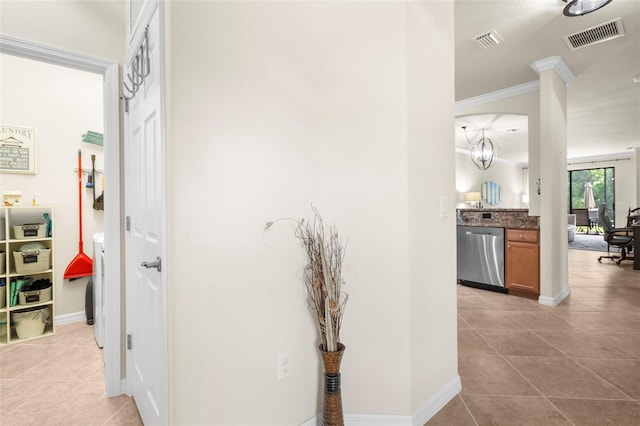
(30, 323)
(28, 262)
(34, 296)
(29, 230)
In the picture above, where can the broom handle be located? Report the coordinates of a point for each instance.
(80, 198)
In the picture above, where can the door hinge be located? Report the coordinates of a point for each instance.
(128, 342)
(127, 223)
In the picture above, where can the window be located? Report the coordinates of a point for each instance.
(602, 182)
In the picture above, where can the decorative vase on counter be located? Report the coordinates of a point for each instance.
(332, 402)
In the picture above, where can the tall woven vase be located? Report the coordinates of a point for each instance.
(332, 403)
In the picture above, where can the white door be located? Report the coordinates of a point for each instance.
(145, 287)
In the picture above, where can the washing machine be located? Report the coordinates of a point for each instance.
(98, 288)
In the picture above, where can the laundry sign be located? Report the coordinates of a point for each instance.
(17, 149)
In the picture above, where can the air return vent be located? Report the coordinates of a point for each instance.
(488, 39)
(598, 34)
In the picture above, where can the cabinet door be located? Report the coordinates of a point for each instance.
(523, 268)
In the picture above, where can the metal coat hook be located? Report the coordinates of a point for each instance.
(139, 69)
(143, 60)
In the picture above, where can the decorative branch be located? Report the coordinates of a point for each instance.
(323, 278)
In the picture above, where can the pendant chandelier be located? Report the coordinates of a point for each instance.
(484, 152)
(582, 7)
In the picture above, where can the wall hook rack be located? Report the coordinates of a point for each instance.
(139, 69)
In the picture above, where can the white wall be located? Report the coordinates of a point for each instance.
(431, 183)
(286, 105)
(62, 104)
(636, 162)
(506, 174)
(96, 28)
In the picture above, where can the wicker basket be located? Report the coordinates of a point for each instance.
(29, 262)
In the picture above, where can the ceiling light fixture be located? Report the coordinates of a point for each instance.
(484, 152)
(582, 7)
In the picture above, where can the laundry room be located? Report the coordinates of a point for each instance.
(51, 122)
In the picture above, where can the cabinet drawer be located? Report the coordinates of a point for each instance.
(522, 235)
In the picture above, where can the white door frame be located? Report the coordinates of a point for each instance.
(112, 212)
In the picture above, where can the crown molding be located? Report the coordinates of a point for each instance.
(498, 94)
(557, 64)
(618, 156)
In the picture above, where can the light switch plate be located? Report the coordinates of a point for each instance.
(444, 206)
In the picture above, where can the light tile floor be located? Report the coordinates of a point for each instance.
(59, 380)
(522, 363)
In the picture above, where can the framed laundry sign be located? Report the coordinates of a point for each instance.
(17, 149)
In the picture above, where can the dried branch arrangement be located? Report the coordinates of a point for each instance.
(323, 278)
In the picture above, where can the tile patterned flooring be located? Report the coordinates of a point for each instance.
(522, 363)
(59, 380)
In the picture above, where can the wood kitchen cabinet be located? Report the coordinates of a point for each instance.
(523, 262)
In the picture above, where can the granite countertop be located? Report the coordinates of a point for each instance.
(498, 218)
(497, 209)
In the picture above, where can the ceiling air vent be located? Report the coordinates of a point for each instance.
(488, 39)
(598, 34)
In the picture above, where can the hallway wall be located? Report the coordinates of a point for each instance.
(293, 104)
(95, 28)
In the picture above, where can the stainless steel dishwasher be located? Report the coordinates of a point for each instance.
(481, 257)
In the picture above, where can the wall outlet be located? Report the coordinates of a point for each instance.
(284, 365)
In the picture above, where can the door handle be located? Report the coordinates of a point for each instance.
(157, 264)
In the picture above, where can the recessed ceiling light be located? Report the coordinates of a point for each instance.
(636, 79)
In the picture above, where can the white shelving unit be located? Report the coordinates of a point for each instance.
(18, 216)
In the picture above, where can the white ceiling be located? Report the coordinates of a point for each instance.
(603, 106)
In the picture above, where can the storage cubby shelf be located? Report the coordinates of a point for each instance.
(11, 316)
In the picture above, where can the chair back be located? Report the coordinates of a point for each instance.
(633, 216)
(582, 217)
(603, 217)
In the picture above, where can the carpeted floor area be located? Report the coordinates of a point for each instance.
(589, 242)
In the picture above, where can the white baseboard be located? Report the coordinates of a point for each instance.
(431, 407)
(364, 420)
(554, 301)
(381, 420)
(72, 317)
(313, 421)
(427, 410)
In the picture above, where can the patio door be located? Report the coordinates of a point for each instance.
(600, 182)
